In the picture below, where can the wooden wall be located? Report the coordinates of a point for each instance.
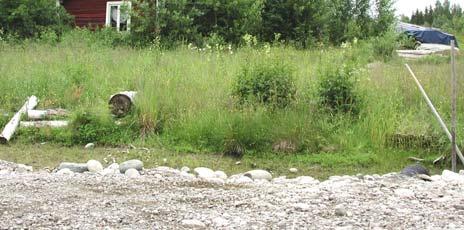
(87, 12)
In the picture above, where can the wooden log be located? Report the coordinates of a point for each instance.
(121, 103)
(42, 124)
(42, 114)
(13, 124)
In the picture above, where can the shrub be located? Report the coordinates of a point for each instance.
(337, 91)
(407, 42)
(99, 128)
(31, 18)
(384, 46)
(267, 83)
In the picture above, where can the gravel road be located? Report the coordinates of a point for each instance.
(166, 199)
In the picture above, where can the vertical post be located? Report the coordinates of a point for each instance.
(453, 109)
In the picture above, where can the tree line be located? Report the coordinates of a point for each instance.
(442, 15)
(303, 23)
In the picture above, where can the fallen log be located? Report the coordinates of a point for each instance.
(121, 103)
(42, 114)
(42, 124)
(13, 124)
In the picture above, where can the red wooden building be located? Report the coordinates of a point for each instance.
(99, 13)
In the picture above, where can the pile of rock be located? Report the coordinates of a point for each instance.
(9, 167)
(130, 168)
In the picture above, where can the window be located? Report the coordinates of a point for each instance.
(117, 15)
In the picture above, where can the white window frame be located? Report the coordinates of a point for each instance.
(108, 13)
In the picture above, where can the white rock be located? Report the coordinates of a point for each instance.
(452, 176)
(436, 177)
(167, 170)
(306, 180)
(220, 222)
(89, 146)
(214, 180)
(280, 180)
(302, 207)
(240, 180)
(368, 177)
(185, 169)
(221, 174)
(187, 175)
(404, 193)
(335, 178)
(132, 173)
(461, 172)
(204, 173)
(24, 168)
(4, 172)
(293, 170)
(94, 166)
(193, 224)
(65, 171)
(259, 174)
(261, 181)
(111, 169)
(131, 164)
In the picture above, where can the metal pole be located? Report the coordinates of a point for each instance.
(453, 110)
(434, 111)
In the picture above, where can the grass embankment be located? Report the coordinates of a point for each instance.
(185, 106)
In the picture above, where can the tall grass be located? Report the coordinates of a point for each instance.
(185, 99)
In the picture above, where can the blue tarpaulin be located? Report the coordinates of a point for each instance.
(425, 34)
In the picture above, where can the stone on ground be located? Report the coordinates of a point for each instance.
(90, 146)
(23, 168)
(193, 224)
(131, 164)
(221, 175)
(293, 170)
(94, 166)
(415, 169)
(74, 167)
(132, 173)
(204, 173)
(258, 174)
(65, 171)
(452, 176)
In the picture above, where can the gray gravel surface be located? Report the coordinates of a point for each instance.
(166, 199)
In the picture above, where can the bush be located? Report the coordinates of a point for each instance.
(384, 46)
(31, 18)
(337, 91)
(268, 83)
(407, 42)
(100, 128)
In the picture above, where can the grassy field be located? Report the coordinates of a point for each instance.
(186, 111)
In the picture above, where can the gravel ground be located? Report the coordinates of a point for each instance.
(166, 199)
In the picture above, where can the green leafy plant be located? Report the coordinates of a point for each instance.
(268, 83)
(337, 91)
(32, 18)
(384, 46)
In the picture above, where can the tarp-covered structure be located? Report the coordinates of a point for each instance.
(426, 34)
